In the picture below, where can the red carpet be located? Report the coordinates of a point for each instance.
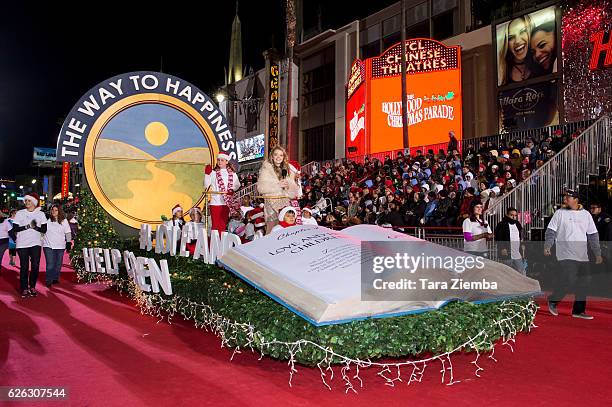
(92, 340)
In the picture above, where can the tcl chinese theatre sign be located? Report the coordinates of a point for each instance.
(433, 96)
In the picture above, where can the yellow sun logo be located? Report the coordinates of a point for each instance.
(156, 133)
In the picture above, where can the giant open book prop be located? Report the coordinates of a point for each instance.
(317, 273)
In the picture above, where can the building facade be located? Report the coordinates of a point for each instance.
(301, 98)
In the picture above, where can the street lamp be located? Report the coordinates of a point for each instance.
(220, 97)
(20, 186)
(33, 181)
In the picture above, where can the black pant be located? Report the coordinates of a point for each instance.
(573, 278)
(27, 255)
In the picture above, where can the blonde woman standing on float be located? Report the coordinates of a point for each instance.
(278, 182)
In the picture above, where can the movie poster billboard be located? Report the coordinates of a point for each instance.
(527, 47)
(529, 107)
(434, 103)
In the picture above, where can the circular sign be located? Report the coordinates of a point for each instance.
(143, 139)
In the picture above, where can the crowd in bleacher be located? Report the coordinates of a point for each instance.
(428, 189)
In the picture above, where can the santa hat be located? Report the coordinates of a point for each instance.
(255, 213)
(32, 196)
(307, 209)
(260, 222)
(283, 212)
(223, 156)
(294, 166)
(176, 208)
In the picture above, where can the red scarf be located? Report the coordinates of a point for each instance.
(285, 224)
(230, 200)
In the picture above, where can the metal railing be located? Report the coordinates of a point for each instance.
(493, 141)
(444, 236)
(249, 190)
(522, 136)
(536, 197)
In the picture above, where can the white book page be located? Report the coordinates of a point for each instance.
(371, 233)
(322, 261)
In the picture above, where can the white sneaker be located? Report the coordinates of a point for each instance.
(583, 316)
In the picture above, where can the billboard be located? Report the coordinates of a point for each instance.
(529, 107)
(251, 148)
(143, 139)
(433, 97)
(527, 47)
(355, 132)
(44, 154)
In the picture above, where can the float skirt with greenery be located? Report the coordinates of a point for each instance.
(243, 318)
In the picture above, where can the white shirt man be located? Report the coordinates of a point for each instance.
(572, 230)
(29, 237)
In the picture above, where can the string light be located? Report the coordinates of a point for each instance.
(514, 318)
(587, 94)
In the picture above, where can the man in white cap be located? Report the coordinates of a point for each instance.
(573, 232)
(222, 181)
(29, 226)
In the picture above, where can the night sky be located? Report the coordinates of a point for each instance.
(51, 53)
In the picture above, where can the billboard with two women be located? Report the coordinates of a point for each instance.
(527, 52)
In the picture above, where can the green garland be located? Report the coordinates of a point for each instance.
(215, 298)
(196, 283)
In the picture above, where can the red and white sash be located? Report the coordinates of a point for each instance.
(230, 200)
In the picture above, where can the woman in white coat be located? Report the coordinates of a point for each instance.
(277, 181)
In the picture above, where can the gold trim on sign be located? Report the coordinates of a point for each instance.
(106, 117)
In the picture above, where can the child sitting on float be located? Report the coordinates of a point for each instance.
(177, 217)
(260, 228)
(195, 214)
(286, 218)
(251, 217)
(236, 226)
(307, 218)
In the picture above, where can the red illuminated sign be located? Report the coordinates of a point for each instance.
(356, 123)
(356, 78)
(422, 55)
(599, 48)
(433, 98)
(65, 178)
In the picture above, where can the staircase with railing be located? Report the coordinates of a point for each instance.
(537, 196)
